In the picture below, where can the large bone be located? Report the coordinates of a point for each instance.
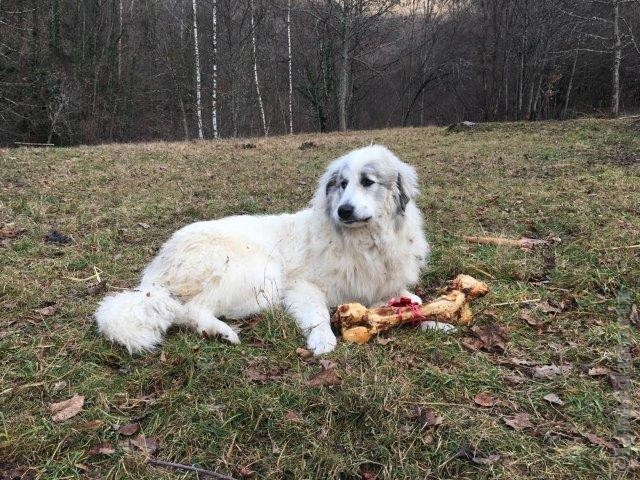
(359, 324)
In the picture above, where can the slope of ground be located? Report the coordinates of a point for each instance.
(408, 408)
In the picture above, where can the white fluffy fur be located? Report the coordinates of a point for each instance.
(308, 261)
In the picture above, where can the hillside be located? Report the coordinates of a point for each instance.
(248, 408)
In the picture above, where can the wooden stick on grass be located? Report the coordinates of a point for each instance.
(189, 468)
(524, 243)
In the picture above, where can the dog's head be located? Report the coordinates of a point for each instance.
(366, 186)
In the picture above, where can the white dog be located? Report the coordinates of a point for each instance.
(360, 240)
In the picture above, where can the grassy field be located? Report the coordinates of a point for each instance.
(557, 320)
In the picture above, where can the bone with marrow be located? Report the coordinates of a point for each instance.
(360, 324)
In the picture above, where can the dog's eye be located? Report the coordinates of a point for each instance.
(344, 183)
(367, 182)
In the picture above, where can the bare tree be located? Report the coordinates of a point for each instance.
(617, 60)
(214, 88)
(197, 70)
(265, 129)
(290, 65)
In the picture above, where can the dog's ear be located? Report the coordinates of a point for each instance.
(330, 181)
(406, 185)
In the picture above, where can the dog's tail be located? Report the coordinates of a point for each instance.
(137, 319)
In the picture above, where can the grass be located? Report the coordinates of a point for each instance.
(579, 181)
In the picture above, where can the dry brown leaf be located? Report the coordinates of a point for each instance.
(303, 353)
(148, 445)
(618, 381)
(385, 341)
(521, 362)
(144, 225)
(518, 422)
(92, 425)
(596, 440)
(59, 386)
(553, 398)
(327, 364)
(513, 379)
(129, 429)
(102, 448)
(493, 337)
(292, 416)
(633, 465)
(599, 371)
(244, 472)
(426, 417)
(46, 311)
(96, 288)
(325, 378)
(490, 460)
(472, 344)
(66, 409)
(484, 400)
(269, 374)
(9, 230)
(633, 316)
(551, 371)
(525, 316)
(568, 302)
(547, 307)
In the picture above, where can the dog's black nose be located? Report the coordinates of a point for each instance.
(345, 212)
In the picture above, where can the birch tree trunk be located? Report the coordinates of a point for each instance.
(214, 91)
(197, 66)
(290, 61)
(255, 72)
(617, 60)
(565, 109)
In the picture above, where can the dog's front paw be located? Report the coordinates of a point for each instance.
(414, 298)
(443, 327)
(321, 341)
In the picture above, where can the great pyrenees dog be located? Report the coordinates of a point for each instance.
(360, 240)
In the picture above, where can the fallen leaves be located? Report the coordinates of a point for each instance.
(553, 398)
(46, 311)
(618, 381)
(129, 429)
(490, 460)
(96, 288)
(484, 400)
(426, 417)
(633, 316)
(102, 448)
(257, 371)
(66, 409)
(9, 231)
(303, 353)
(325, 378)
(599, 371)
(513, 380)
(551, 371)
(596, 440)
(292, 416)
(493, 338)
(147, 445)
(92, 425)
(385, 341)
(518, 421)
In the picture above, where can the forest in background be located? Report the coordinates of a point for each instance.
(92, 71)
